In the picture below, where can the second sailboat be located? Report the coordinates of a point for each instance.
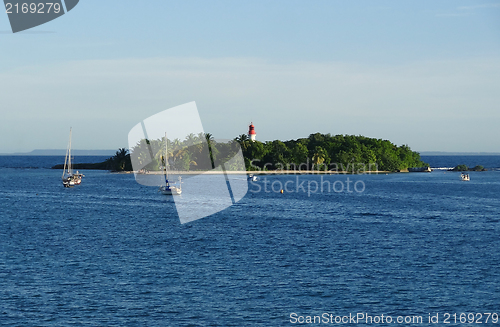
(168, 189)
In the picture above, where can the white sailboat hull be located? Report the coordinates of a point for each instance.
(172, 190)
(72, 180)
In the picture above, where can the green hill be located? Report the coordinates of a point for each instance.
(327, 152)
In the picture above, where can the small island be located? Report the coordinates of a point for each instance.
(318, 152)
(466, 168)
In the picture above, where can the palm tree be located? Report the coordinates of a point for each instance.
(121, 160)
(141, 151)
(211, 147)
(209, 137)
(191, 139)
(176, 144)
(242, 138)
(319, 156)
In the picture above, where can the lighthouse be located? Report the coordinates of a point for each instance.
(251, 132)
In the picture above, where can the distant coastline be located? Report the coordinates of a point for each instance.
(444, 153)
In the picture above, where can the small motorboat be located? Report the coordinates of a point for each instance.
(465, 177)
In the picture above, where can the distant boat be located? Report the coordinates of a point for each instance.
(252, 178)
(68, 178)
(465, 177)
(168, 189)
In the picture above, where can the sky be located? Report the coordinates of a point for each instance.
(422, 73)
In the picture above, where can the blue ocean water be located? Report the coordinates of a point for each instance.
(113, 253)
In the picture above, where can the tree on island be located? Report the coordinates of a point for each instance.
(466, 168)
(461, 168)
(320, 151)
(120, 161)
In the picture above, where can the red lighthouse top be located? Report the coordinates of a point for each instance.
(251, 129)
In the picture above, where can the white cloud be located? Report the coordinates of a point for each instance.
(466, 11)
(481, 6)
(453, 15)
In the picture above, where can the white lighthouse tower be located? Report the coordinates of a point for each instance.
(251, 132)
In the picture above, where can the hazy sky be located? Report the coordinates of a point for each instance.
(422, 73)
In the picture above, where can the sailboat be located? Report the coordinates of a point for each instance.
(68, 178)
(168, 189)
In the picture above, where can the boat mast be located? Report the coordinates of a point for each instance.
(166, 159)
(66, 157)
(70, 170)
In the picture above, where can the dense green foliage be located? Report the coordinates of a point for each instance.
(195, 152)
(461, 168)
(466, 168)
(120, 161)
(327, 152)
